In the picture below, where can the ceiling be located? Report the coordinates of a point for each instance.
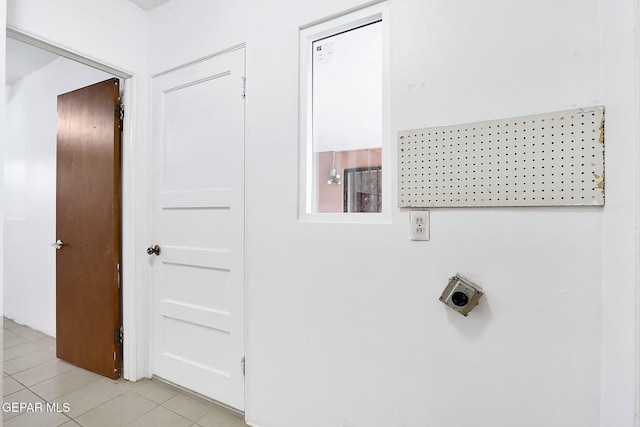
(23, 59)
(148, 4)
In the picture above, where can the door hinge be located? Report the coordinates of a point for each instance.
(118, 335)
(120, 115)
(244, 87)
(242, 366)
(119, 274)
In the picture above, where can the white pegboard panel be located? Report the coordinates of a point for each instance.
(553, 159)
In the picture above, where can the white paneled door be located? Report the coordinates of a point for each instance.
(198, 227)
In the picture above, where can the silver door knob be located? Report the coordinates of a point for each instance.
(58, 244)
(153, 250)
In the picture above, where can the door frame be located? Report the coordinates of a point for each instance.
(136, 211)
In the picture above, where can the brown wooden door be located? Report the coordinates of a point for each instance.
(88, 225)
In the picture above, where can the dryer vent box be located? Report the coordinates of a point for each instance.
(461, 295)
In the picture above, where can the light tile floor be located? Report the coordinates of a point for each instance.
(33, 374)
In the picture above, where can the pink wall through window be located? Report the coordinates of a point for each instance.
(330, 196)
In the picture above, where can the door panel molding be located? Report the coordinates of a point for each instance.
(198, 284)
(215, 319)
(209, 258)
(195, 199)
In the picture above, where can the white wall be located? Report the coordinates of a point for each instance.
(332, 343)
(3, 5)
(110, 32)
(30, 190)
(620, 220)
(344, 324)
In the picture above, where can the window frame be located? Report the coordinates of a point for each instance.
(351, 19)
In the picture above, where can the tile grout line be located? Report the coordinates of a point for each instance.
(26, 354)
(30, 367)
(152, 409)
(45, 380)
(26, 388)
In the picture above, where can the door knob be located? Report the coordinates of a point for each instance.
(153, 250)
(58, 244)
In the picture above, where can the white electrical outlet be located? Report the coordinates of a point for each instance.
(419, 225)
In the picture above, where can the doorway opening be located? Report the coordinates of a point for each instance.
(39, 72)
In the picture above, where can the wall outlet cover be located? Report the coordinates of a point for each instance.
(419, 221)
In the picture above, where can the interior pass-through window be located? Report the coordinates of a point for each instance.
(343, 137)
